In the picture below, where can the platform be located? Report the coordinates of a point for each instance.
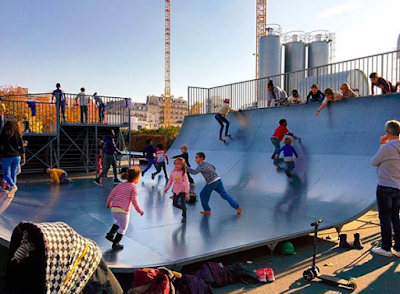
(333, 181)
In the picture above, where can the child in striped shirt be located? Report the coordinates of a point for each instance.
(179, 179)
(119, 201)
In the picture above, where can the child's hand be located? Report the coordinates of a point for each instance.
(166, 191)
(141, 213)
(187, 196)
(316, 114)
(384, 139)
(276, 156)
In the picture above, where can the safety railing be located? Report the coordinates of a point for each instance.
(253, 93)
(39, 113)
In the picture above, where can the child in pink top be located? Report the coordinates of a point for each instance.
(179, 179)
(119, 201)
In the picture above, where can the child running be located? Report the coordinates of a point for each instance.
(148, 152)
(277, 137)
(58, 176)
(185, 156)
(179, 179)
(213, 183)
(161, 158)
(288, 151)
(119, 201)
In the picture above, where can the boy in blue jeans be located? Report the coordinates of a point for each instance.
(214, 183)
(288, 151)
(148, 152)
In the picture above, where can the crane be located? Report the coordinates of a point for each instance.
(167, 85)
(261, 26)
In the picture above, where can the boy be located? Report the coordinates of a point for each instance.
(83, 100)
(161, 158)
(329, 96)
(385, 86)
(213, 183)
(185, 155)
(288, 151)
(221, 118)
(60, 96)
(148, 152)
(277, 137)
(58, 176)
(296, 98)
(315, 94)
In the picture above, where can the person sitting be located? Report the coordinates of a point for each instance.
(315, 94)
(296, 98)
(329, 96)
(347, 91)
(385, 86)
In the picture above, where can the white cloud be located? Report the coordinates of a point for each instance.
(336, 10)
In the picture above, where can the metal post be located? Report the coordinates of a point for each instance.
(129, 138)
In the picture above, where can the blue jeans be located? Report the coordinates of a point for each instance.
(10, 168)
(289, 165)
(84, 112)
(277, 144)
(219, 188)
(150, 162)
(101, 112)
(320, 99)
(388, 200)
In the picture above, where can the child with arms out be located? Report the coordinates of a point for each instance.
(288, 151)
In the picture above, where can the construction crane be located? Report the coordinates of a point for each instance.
(261, 26)
(167, 85)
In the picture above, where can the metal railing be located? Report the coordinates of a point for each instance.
(253, 93)
(40, 113)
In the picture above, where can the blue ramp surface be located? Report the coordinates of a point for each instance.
(333, 181)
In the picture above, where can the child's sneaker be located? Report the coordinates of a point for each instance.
(153, 176)
(261, 275)
(97, 182)
(269, 272)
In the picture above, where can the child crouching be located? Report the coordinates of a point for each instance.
(288, 151)
(58, 176)
(119, 201)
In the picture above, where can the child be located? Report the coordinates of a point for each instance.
(213, 183)
(58, 176)
(148, 152)
(185, 156)
(161, 158)
(385, 86)
(119, 201)
(288, 151)
(277, 137)
(329, 96)
(315, 94)
(347, 91)
(275, 95)
(221, 118)
(178, 177)
(296, 98)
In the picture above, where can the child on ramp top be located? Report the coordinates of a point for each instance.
(221, 118)
(277, 137)
(179, 179)
(288, 151)
(213, 183)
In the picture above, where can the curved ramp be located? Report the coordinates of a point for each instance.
(333, 181)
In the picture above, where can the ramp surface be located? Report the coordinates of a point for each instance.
(333, 181)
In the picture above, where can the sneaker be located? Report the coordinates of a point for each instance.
(12, 191)
(269, 272)
(288, 173)
(261, 275)
(396, 253)
(380, 251)
(153, 176)
(117, 246)
(206, 212)
(97, 182)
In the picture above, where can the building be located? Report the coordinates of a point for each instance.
(155, 111)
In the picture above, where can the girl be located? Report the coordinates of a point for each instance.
(179, 178)
(119, 201)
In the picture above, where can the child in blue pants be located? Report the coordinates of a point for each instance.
(288, 151)
(214, 183)
(148, 152)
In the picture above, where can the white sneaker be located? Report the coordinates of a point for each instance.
(396, 253)
(380, 251)
(12, 192)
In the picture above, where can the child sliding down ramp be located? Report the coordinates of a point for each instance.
(52, 258)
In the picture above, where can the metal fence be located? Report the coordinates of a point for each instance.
(40, 113)
(253, 93)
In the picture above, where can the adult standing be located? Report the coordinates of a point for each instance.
(83, 100)
(109, 150)
(59, 95)
(12, 154)
(100, 104)
(387, 161)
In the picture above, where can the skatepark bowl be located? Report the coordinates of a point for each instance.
(333, 181)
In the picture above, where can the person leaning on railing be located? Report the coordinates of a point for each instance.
(296, 98)
(275, 94)
(347, 91)
(330, 95)
(100, 104)
(385, 86)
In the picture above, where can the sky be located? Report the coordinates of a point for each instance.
(116, 48)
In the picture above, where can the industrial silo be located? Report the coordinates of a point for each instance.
(269, 60)
(295, 59)
(398, 58)
(319, 52)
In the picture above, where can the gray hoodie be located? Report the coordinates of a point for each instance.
(387, 161)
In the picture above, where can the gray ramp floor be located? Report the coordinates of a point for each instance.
(333, 181)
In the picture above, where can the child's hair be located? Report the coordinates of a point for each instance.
(183, 162)
(282, 122)
(288, 141)
(345, 86)
(47, 169)
(95, 94)
(148, 141)
(160, 146)
(82, 89)
(373, 75)
(314, 86)
(184, 147)
(131, 174)
(58, 85)
(295, 92)
(328, 91)
(270, 83)
(201, 155)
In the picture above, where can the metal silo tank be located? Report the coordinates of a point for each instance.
(295, 59)
(319, 52)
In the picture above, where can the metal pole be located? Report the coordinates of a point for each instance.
(129, 138)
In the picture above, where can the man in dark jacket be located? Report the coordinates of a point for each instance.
(109, 150)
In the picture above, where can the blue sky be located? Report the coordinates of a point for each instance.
(117, 47)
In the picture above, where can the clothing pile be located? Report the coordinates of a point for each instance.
(52, 258)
